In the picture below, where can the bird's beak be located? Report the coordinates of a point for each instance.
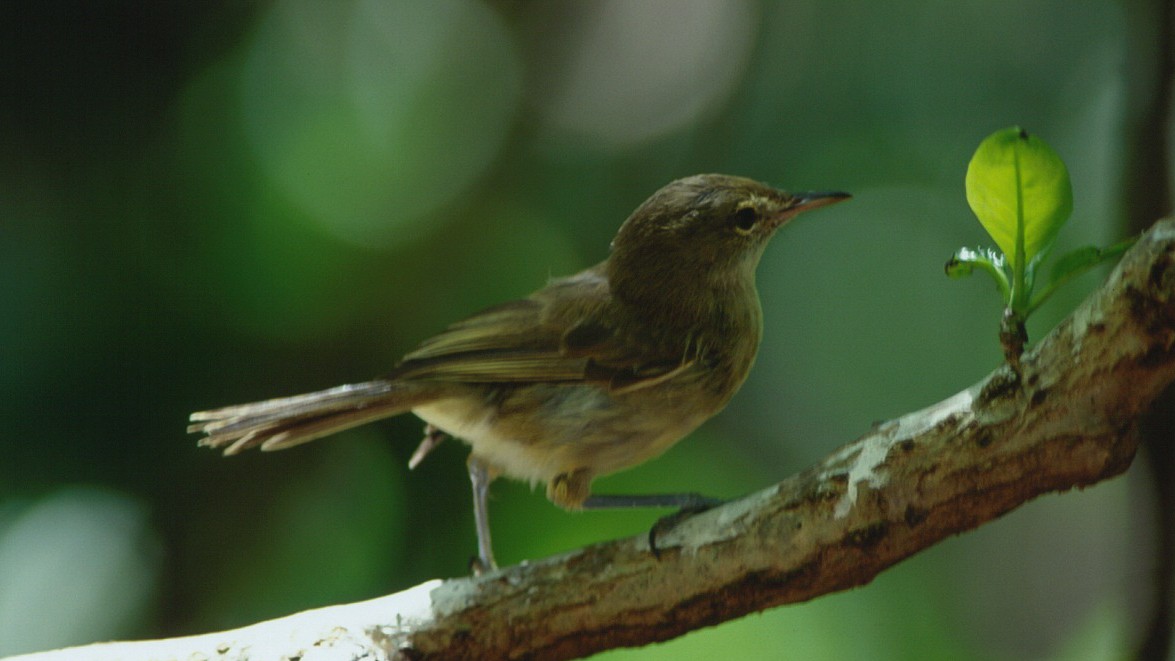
(807, 201)
(801, 202)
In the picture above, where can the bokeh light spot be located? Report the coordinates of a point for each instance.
(638, 70)
(369, 116)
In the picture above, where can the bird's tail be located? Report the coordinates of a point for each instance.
(276, 424)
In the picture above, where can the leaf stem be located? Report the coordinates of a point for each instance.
(1019, 298)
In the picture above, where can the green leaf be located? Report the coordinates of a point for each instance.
(1075, 263)
(966, 260)
(1019, 189)
(1087, 257)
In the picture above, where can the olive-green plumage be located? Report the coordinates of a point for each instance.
(595, 372)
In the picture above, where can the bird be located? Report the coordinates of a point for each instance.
(594, 373)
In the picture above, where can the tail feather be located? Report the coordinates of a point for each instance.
(276, 424)
(341, 394)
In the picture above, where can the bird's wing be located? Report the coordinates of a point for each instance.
(558, 335)
(505, 343)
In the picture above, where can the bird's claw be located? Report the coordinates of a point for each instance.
(667, 523)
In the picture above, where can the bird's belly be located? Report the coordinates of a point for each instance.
(541, 432)
(479, 425)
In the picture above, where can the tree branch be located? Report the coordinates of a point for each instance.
(1068, 420)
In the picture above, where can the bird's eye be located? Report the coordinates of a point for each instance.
(745, 219)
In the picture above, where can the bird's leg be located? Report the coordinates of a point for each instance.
(693, 502)
(432, 438)
(687, 504)
(573, 491)
(480, 477)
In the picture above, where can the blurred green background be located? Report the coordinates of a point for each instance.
(215, 202)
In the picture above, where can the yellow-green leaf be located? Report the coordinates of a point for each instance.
(1019, 189)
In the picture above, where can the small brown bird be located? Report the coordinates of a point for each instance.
(594, 373)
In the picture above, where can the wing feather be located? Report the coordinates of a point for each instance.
(561, 334)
